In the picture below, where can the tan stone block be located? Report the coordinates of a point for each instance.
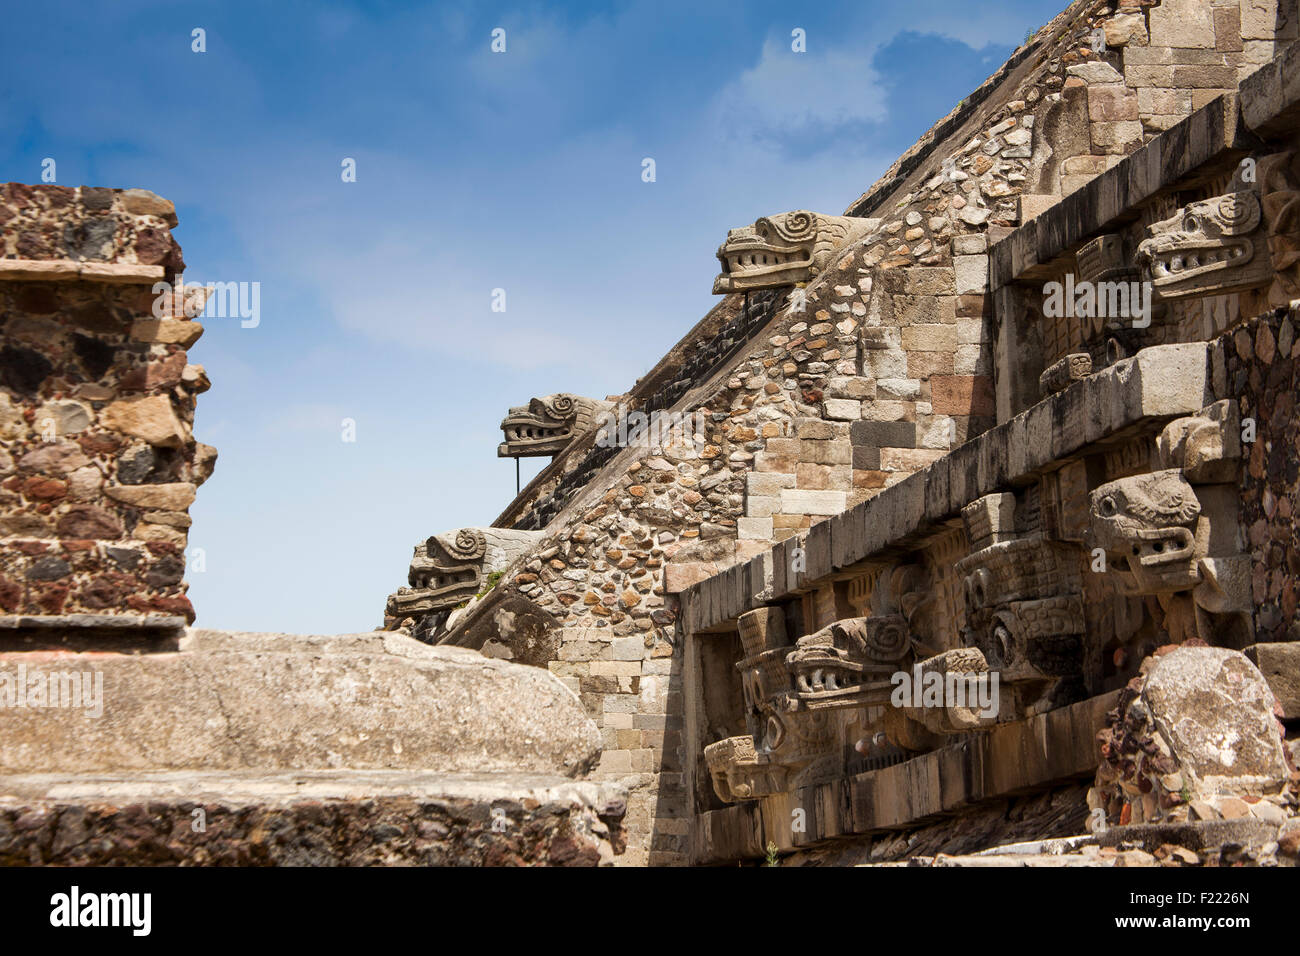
(1227, 29)
(783, 447)
(765, 461)
(1205, 77)
(930, 338)
(839, 452)
(1112, 103)
(1156, 101)
(815, 429)
(972, 360)
(768, 483)
(151, 418)
(962, 395)
(146, 531)
(908, 459)
(1084, 165)
(843, 409)
(970, 331)
(1182, 23)
(176, 496)
(615, 761)
(1129, 28)
(1117, 137)
(922, 365)
(797, 501)
(166, 331)
(887, 411)
(1259, 20)
(972, 305)
(822, 477)
(175, 519)
(679, 575)
(617, 721)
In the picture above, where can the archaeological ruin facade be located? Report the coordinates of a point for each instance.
(966, 518)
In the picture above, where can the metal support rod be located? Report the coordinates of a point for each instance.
(516, 476)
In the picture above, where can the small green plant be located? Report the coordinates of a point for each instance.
(492, 580)
(772, 858)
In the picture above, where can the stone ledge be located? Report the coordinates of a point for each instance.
(265, 788)
(67, 270)
(46, 622)
(284, 703)
(1158, 383)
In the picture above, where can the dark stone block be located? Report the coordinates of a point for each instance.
(884, 434)
(866, 458)
(48, 569)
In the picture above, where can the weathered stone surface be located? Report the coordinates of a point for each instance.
(1195, 733)
(142, 202)
(64, 417)
(1216, 712)
(59, 458)
(180, 332)
(1280, 665)
(176, 496)
(151, 418)
(278, 702)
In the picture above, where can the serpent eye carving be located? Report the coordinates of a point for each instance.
(1239, 211)
(798, 223)
(1108, 508)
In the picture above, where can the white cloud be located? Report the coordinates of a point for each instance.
(786, 92)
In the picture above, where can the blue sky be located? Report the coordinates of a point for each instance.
(475, 171)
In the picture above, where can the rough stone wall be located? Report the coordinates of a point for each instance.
(385, 831)
(1257, 363)
(98, 463)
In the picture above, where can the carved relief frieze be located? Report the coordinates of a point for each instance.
(1024, 607)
